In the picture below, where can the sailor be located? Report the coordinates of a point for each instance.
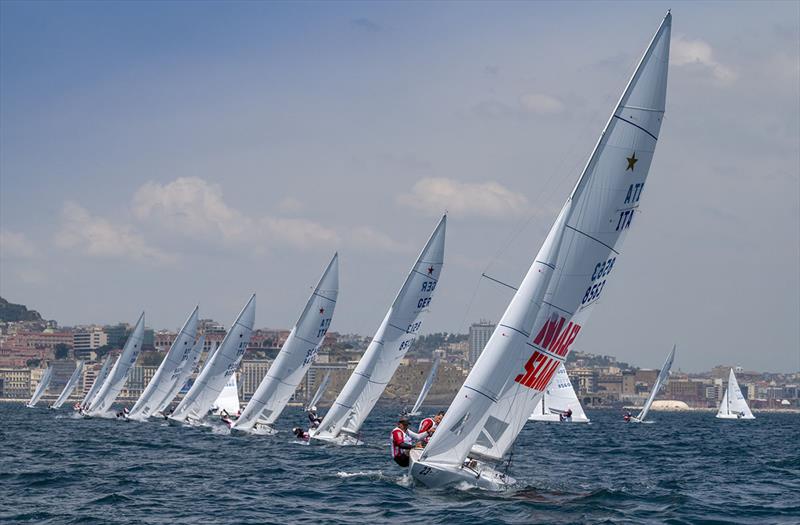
(403, 441)
(627, 417)
(566, 416)
(429, 425)
(301, 434)
(226, 418)
(313, 418)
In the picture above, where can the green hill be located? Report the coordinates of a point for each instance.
(10, 312)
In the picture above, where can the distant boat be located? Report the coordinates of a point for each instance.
(181, 375)
(216, 373)
(558, 400)
(661, 380)
(118, 376)
(70, 386)
(228, 400)
(312, 403)
(295, 357)
(41, 387)
(163, 380)
(99, 379)
(734, 405)
(557, 295)
(342, 424)
(426, 387)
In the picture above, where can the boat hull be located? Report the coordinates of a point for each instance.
(734, 416)
(342, 440)
(477, 474)
(553, 418)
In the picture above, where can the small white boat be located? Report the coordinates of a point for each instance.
(70, 386)
(559, 403)
(661, 381)
(734, 405)
(41, 388)
(426, 387)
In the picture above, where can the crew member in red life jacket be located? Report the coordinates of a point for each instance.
(403, 441)
(627, 417)
(301, 434)
(429, 425)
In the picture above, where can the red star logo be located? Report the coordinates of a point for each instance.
(430, 270)
(321, 311)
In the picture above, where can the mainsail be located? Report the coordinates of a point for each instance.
(562, 286)
(41, 387)
(426, 387)
(221, 366)
(119, 374)
(661, 380)
(296, 355)
(558, 399)
(70, 386)
(320, 391)
(181, 374)
(390, 344)
(162, 382)
(734, 405)
(99, 379)
(228, 399)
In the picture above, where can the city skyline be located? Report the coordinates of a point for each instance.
(156, 157)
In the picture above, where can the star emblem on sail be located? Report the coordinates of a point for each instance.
(632, 160)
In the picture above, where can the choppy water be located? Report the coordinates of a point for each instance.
(684, 468)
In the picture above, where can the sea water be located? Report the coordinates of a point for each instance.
(683, 468)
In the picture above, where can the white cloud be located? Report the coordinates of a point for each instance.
(541, 103)
(98, 237)
(290, 205)
(299, 232)
(15, 245)
(484, 199)
(688, 52)
(367, 237)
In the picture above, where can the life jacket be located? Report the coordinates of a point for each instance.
(399, 436)
(425, 425)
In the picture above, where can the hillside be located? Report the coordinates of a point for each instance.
(10, 312)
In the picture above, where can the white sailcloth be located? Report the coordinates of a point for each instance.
(734, 405)
(221, 366)
(558, 399)
(394, 337)
(119, 374)
(426, 387)
(564, 283)
(320, 391)
(99, 379)
(41, 387)
(181, 374)
(661, 380)
(70, 386)
(296, 355)
(162, 381)
(228, 399)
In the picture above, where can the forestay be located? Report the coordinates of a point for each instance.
(163, 380)
(661, 380)
(296, 355)
(426, 387)
(390, 343)
(181, 374)
(99, 379)
(119, 374)
(70, 386)
(558, 399)
(41, 387)
(222, 365)
(566, 279)
(734, 405)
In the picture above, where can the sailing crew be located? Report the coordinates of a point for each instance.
(403, 441)
(627, 417)
(123, 413)
(301, 434)
(313, 418)
(566, 416)
(429, 425)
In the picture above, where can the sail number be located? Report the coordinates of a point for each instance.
(310, 355)
(601, 269)
(428, 286)
(323, 327)
(414, 327)
(423, 302)
(405, 345)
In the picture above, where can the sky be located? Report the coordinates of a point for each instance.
(158, 155)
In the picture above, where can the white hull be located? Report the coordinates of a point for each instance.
(477, 474)
(553, 418)
(342, 440)
(258, 429)
(733, 416)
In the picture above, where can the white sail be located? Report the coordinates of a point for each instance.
(320, 391)
(296, 355)
(220, 367)
(181, 374)
(561, 288)
(426, 387)
(70, 386)
(389, 345)
(228, 399)
(41, 387)
(99, 379)
(119, 374)
(734, 405)
(661, 380)
(162, 381)
(558, 399)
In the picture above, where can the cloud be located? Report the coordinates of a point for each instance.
(367, 237)
(98, 237)
(15, 246)
(541, 103)
(698, 53)
(290, 205)
(482, 199)
(299, 232)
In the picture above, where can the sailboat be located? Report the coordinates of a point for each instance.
(396, 334)
(228, 400)
(426, 387)
(734, 405)
(557, 295)
(119, 374)
(661, 380)
(323, 386)
(72, 382)
(162, 381)
(41, 387)
(294, 358)
(181, 375)
(558, 401)
(197, 402)
(99, 379)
